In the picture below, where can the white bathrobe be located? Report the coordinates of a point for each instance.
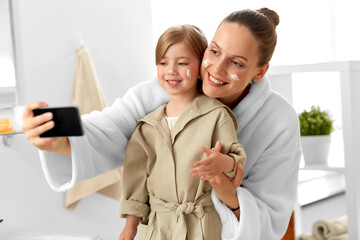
(268, 129)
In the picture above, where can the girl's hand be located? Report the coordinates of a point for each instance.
(130, 229)
(213, 164)
(128, 233)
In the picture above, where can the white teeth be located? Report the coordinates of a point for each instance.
(174, 82)
(216, 81)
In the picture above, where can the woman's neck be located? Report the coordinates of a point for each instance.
(233, 103)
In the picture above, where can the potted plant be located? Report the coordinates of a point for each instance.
(315, 129)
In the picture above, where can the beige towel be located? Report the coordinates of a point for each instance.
(324, 229)
(87, 93)
(344, 236)
(88, 96)
(332, 229)
(108, 184)
(306, 237)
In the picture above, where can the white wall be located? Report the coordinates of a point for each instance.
(309, 31)
(118, 34)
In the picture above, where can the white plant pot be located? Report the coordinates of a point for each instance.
(316, 149)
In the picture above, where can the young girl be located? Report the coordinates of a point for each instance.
(159, 191)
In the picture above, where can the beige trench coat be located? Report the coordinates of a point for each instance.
(157, 183)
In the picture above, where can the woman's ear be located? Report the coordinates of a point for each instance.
(261, 72)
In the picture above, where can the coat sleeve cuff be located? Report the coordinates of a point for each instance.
(237, 159)
(131, 207)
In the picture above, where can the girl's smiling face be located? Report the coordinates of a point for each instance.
(178, 70)
(230, 63)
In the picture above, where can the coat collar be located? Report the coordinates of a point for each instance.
(200, 106)
(250, 105)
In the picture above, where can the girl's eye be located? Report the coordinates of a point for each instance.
(183, 64)
(236, 63)
(162, 63)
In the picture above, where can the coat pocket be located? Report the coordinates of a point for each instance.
(145, 231)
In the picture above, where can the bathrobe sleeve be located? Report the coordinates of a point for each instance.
(268, 192)
(107, 133)
(135, 193)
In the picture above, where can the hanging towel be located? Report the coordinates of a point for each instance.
(88, 96)
(87, 93)
(108, 184)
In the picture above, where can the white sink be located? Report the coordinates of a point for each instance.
(36, 236)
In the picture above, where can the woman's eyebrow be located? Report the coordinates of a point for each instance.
(236, 56)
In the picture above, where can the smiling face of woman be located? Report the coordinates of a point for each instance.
(230, 63)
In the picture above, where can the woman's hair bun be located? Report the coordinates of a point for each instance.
(271, 15)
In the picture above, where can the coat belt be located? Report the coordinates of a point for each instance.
(197, 208)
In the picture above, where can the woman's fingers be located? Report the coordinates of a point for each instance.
(36, 130)
(34, 126)
(239, 175)
(30, 122)
(31, 106)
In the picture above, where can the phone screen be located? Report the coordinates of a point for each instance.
(67, 121)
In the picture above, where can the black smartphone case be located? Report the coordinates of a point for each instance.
(67, 121)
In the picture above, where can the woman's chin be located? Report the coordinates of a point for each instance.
(210, 91)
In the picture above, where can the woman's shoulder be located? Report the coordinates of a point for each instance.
(280, 111)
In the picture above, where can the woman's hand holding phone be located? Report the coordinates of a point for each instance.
(33, 126)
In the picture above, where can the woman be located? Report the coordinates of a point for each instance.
(233, 70)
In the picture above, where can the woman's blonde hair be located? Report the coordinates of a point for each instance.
(191, 35)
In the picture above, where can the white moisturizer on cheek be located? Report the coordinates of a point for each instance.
(205, 63)
(234, 77)
(188, 73)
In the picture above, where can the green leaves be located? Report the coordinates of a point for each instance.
(315, 122)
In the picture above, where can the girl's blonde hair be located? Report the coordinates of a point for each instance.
(191, 35)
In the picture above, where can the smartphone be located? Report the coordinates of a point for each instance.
(67, 121)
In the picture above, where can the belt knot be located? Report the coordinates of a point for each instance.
(185, 208)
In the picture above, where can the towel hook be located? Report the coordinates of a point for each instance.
(79, 42)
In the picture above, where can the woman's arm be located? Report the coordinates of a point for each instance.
(225, 189)
(103, 146)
